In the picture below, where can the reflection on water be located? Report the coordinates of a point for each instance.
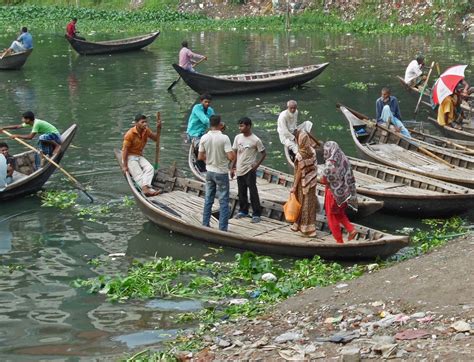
(43, 250)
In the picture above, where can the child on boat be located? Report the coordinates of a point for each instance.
(340, 190)
(247, 146)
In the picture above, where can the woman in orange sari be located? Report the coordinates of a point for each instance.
(340, 190)
(304, 186)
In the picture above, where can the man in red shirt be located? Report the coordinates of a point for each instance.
(71, 30)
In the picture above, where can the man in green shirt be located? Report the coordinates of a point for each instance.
(49, 139)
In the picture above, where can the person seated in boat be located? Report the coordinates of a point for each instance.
(216, 150)
(414, 72)
(23, 43)
(246, 147)
(133, 161)
(449, 112)
(49, 138)
(10, 161)
(71, 31)
(304, 186)
(388, 112)
(187, 58)
(340, 190)
(287, 126)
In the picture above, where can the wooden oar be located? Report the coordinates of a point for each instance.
(158, 135)
(77, 184)
(424, 87)
(429, 153)
(455, 145)
(177, 80)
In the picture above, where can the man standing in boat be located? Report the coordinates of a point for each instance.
(388, 112)
(133, 161)
(198, 124)
(187, 58)
(287, 126)
(22, 44)
(71, 31)
(215, 148)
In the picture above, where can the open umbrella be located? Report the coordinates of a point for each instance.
(446, 83)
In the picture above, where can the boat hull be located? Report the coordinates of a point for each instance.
(15, 61)
(202, 83)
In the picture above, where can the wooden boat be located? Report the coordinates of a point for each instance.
(14, 61)
(252, 82)
(455, 145)
(179, 208)
(274, 186)
(27, 180)
(404, 192)
(85, 47)
(467, 133)
(426, 94)
(380, 144)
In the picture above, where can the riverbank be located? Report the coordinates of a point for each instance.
(418, 309)
(334, 16)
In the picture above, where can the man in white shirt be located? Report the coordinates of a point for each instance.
(414, 71)
(216, 150)
(287, 126)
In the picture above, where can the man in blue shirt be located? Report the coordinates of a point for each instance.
(387, 112)
(198, 123)
(22, 44)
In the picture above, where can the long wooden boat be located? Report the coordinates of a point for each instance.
(408, 193)
(252, 82)
(14, 61)
(274, 186)
(426, 94)
(179, 208)
(27, 180)
(85, 47)
(380, 144)
(467, 133)
(455, 145)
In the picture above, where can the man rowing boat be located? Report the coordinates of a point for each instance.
(187, 58)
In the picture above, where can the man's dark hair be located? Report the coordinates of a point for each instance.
(386, 89)
(29, 115)
(74, 19)
(139, 117)
(3, 144)
(205, 96)
(24, 29)
(420, 58)
(245, 120)
(184, 43)
(215, 120)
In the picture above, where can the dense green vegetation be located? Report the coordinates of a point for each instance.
(54, 18)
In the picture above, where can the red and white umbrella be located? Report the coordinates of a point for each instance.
(446, 83)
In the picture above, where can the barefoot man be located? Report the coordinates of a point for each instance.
(49, 138)
(133, 161)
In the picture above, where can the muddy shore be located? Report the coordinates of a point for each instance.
(420, 309)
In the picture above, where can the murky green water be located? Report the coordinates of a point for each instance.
(41, 314)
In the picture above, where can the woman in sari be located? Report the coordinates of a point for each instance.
(304, 186)
(340, 190)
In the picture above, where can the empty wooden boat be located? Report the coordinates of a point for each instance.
(26, 178)
(274, 186)
(426, 94)
(85, 47)
(179, 208)
(14, 61)
(404, 192)
(252, 82)
(380, 144)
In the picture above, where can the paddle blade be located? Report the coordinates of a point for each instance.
(173, 84)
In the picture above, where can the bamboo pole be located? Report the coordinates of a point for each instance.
(424, 87)
(158, 136)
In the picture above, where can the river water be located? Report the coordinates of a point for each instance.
(41, 315)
